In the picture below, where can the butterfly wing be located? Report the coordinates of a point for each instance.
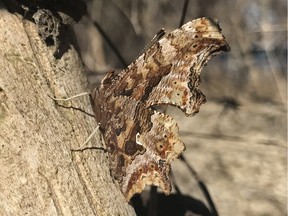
(189, 48)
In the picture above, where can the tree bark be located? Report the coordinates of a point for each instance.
(39, 174)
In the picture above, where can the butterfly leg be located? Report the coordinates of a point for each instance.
(83, 146)
(72, 97)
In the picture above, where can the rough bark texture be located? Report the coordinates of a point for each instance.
(39, 174)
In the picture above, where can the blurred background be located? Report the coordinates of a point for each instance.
(237, 143)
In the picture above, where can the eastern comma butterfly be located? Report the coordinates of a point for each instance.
(142, 142)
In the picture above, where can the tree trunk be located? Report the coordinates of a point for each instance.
(39, 174)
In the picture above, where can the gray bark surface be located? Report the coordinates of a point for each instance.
(39, 174)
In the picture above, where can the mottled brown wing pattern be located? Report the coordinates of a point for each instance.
(141, 142)
(192, 46)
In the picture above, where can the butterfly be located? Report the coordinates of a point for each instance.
(141, 141)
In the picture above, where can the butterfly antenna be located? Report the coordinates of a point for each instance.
(155, 39)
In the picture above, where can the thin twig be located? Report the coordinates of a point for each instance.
(202, 187)
(111, 44)
(183, 14)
